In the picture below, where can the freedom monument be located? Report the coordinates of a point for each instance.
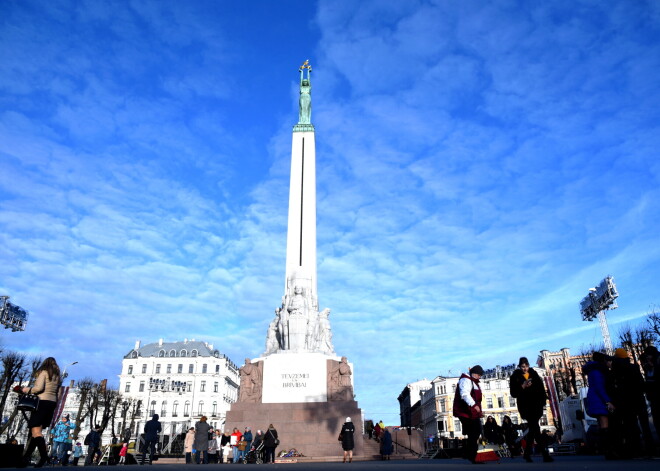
(299, 384)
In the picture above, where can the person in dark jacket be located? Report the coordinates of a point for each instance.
(493, 432)
(202, 429)
(527, 387)
(467, 407)
(650, 361)
(151, 430)
(509, 429)
(270, 443)
(599, 402)
(630, 408)
(386, 447)
(347, 439)
(93, 442)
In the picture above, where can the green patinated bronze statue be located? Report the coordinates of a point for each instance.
(305, 103)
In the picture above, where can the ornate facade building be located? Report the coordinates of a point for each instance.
(179, 381)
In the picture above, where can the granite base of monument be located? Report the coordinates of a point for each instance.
(312, 428)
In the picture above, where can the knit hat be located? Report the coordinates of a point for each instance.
(620, 353)
(477, 369)
(348, 419)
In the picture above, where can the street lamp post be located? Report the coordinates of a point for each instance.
(64, 375)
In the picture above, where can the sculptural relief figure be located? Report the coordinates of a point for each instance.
(324, 342)
(312, 338)
(305, 101)
(283, 327)
(340, 386)
(251, 381)
(272, 339)
(298, 319)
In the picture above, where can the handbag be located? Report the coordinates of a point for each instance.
(340, 438)
(277, 441)
(28, 402)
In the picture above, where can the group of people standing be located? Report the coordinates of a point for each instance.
(525, 385)
(616, 398)
(203, 445)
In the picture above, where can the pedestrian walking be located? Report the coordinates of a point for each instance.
(151, 430)
(346, 436)
(46, 387)
(122, 453)
(467, 407)
(386, 446)
(93, 442)
(60, 434)
(527, 387)
(77, 453)
(599, 402)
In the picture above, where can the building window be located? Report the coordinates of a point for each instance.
(172, 353)
(161, 354)
(457, 425)
(157, 369)
(141, 386)
(190, 386)
(134, 355)
(183, 353)
(169, 369)
(544, 420)
(128, 387)
(512, 401)
(514, 419)
(191, 368)
(163, 409)
(152, 411)
(214, 413)
(202, 386)
(175, 406)
(200, 409)
(443, 408)
(217, 369)
(193, 353)
(489, 402)
(441, 426)
(204, 368)
(215, 387)
(144, 369)
(180, 368)
(186, 409)
(130, 369)
(500, 402)
(487, 386)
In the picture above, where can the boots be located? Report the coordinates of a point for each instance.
(27, 456)
(43, 451)
(546, 456)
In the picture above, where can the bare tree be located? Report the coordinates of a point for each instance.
(12, 364)
(635, 340)
(25, 374)
(85, 385)
(109, 400)
(653, 321)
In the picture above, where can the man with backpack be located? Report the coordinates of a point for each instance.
(93, 442)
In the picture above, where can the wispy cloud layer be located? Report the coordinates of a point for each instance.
(480, 166)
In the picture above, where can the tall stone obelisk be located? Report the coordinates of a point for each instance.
(299, 384)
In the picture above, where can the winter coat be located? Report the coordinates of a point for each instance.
(77, 451)
(123, 451)
(628, 392)
(189, 442)
(597, 396)
(531, 401)
(202, 435)
(269, 438)
(152, 429)
(247, 436)
(347, 432)
(61, 431)
(386, 447)
(94, 439)
(467, 398)
(45, 388)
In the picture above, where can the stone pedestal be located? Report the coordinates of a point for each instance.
(311, 428)
(306, 396)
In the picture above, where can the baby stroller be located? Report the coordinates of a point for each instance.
(255, 455)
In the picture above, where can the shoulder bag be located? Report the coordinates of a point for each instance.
(28, 402)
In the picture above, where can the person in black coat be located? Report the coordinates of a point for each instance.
(347, 440)
(527, 387)
(270, 443)
(151, 430)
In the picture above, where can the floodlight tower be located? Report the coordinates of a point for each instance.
(12, 316)
(600, 299)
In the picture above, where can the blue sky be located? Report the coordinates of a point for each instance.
(480, 166)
